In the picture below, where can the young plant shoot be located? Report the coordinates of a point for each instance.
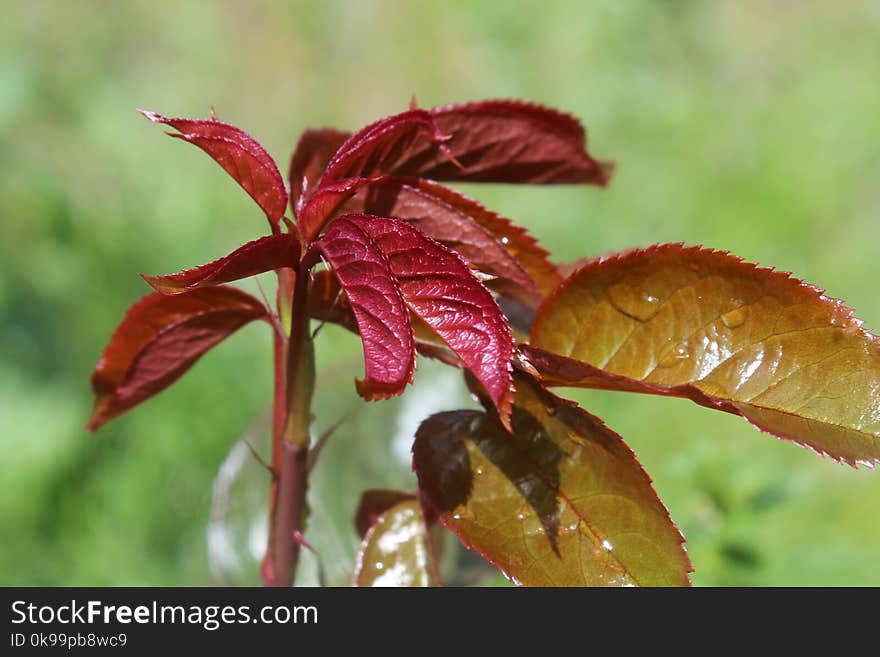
(374, 241)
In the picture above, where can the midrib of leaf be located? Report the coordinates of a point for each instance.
(549, 483)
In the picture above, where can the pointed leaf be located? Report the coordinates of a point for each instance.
(379, 147)
(703, 324)
(561, 501)
(328, 303)
(240, 155)
(488, 242)
(505, 141)
(441, 290)
(313, 151)
(375, 299)
(264, 254)
(159, 339)
(374, 502)
(325, 201)
(396, 550)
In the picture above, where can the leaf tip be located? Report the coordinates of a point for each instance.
(159, 283)
(152, 116)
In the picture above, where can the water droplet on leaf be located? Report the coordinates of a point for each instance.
(679, 353)
(631, 301)
(736, 317)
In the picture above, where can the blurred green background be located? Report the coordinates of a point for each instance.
(748, 126)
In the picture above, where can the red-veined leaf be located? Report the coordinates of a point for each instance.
(703, 324)
(487, 141)
(560, 501)
(488, 242)
(396, 550)
(373, 294)
(326, 200)
(505, 141)
(374, 502)
(441, 290)
(240, 155)
(265, 254)
(328, 303)
(379, 147)
(313, 151)
(159, 339)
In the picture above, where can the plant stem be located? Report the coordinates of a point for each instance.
(289, 493)
(279, 412)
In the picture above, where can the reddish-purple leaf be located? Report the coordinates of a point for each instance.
(441, 290)
(374, 502)
(380, 146)
(373, 294)
(505, 141)
(488, 242)
(240, 155)
(265, 254)
(705, 325)
(328, 303)
(314, 150)
(326, 200)
(488, 141)
(159, 339)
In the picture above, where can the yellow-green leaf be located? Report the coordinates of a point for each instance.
(561, 501)
(703, 324)
(395, 550)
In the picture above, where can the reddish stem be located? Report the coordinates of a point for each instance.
(291, 441)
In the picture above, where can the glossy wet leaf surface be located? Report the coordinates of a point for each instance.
(395, 550)
(313, 151)
(487, 241)
(505, 141)
(159, 339)
(703, 324)
(561, 501)
(374, 502)
(363, 271)
(240, 155)
(440, 289)
(265, 254)
(381, 146)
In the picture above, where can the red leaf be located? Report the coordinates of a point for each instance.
(703, 324)
(326, 200)
(376, 300)
(328, 303)
(506, 141)
(488, 141)
(240, 155)
(159, 339)
(264, 254)
(313, 151)
(487, 241)
(380, 146)
(443, 292)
